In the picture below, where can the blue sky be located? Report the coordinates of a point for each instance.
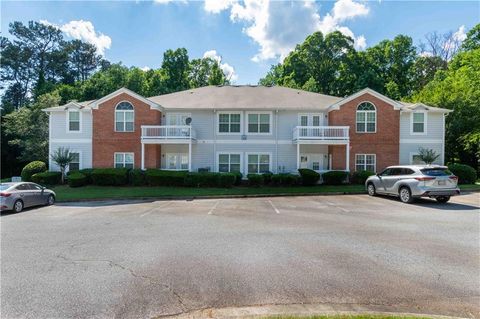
(246, 36)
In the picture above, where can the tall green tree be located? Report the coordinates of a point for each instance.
(176, 67)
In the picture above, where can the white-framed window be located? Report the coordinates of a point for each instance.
(365, 162)
(124, 160)
(259, 122)
(73, 119)
(415, 159)
(229, 123)
(75, 164)
(124, 117)
(258, 163)
(310, 119)
(229, 162)
(418, 123)
(176, 161)
(366, 118)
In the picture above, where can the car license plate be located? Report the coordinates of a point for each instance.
(440, 183)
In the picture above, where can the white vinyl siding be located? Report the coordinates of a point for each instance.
(365, 162)
(124, 160)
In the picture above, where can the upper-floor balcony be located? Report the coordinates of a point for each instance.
(174, 134)
(321, 134)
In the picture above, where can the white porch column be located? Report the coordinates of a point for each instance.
(190, 156)
(298, 155)
(143, 156)
(347, 164)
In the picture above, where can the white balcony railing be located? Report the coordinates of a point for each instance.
(321, 133)
(168, 132)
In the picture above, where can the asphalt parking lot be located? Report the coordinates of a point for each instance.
(148, 259)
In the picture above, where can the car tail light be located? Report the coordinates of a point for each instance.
(455, 178)
(423, 179)
(5, 194)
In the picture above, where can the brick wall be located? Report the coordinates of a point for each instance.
(384, 143)
(106, 141)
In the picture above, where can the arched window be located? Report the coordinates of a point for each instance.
(124, 117)
(366, 118)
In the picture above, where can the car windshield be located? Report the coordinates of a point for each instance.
(4, 186)
(436, 172)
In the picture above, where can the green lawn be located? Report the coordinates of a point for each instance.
(65, 193)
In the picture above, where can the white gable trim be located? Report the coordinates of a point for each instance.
(396, 105)
(152, 104)
(414, 107)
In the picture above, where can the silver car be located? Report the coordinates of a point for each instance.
(17, 196)
(414, 181)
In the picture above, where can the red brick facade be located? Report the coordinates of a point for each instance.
(106, 141)
(384, 142)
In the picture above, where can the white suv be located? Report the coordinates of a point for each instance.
(413, 181)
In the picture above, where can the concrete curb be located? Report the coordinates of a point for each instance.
(300, 310)
(206, 197)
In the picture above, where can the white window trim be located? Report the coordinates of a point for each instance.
(169, 114)
(376, 118)
(259, 112)
(80, 161)
(411, 157)
(229, 112)
(79, 121)
(229, 153)
(180, 156)
(115, 154)
(425, 118)
(258, 153)
(321, 115)
(115, 117)
(365, 161)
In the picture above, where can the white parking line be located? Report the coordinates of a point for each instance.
(210, 212)
(335, 205)
(274, 208)
(148, 212)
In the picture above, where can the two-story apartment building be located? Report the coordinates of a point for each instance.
(251, 129)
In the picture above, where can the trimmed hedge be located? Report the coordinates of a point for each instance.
(238, 177)
(255, 180)
(309, 177)
(77, 179)
(47, 178)
(210, 179)
(86, 171)
(32, 168)
(156, 177)
(285, 179)
(334, 177)
(110, 176)
(136, 177)
(466, 174)
(360, 177)
(267, 178)
(226, 180)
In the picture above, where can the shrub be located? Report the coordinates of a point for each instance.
(334, 177)
(32, 168)
(47, 178)
(226, 180)
(238, 177)
(284, 179)
(255, 179)
(86, 171)
(77, 179)
(267, 178)
(136, 177)
(360, 177)
(110, 176)
(156, 177)
(466, 174)
(207, 179)
(309, 177)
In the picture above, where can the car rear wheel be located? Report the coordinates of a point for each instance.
(371, 190)
(442, 199)
(18, 206)
(406, 195)
(51, 200)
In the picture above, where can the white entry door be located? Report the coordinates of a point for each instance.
(312, 161)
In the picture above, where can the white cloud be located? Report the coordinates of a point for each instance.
(461, 34)
(170, 1)
(215, 6)
(277, 26)
(227, 69)
(145, 69)
(85, 31)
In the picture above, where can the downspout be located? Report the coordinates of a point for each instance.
(214, 168)
(276, 141)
